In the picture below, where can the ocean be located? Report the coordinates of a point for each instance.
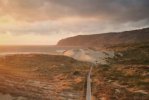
(34, 49)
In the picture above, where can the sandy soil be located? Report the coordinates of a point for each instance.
(89, 55)
(23, 80)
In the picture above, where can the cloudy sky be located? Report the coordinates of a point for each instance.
(46, 21)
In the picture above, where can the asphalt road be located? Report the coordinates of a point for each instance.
(88, 91)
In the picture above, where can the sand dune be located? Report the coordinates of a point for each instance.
(89, 55)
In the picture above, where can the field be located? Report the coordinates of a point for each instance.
(41, 77)
(125, 77)
(55, 77)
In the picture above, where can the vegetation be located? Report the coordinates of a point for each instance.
(125, 77)
(37, 77)
(42, 77)
(134, 54)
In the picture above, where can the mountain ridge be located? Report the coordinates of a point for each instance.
(107, 39)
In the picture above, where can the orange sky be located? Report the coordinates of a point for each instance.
(44, 22)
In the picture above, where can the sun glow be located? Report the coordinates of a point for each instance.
(25, 39)
(7, 20)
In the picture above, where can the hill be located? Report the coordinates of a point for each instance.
(107, 39)
(41, 77)
(55, 77)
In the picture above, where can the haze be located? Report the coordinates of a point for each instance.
(44, 22)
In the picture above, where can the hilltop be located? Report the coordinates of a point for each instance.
(107, 39)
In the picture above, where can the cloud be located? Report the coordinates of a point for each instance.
(58, 19)
(35, 10)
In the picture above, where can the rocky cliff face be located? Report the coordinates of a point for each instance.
(107, 39)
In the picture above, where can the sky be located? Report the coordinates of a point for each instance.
(44, 22)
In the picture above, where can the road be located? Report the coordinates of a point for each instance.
(88, 91)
